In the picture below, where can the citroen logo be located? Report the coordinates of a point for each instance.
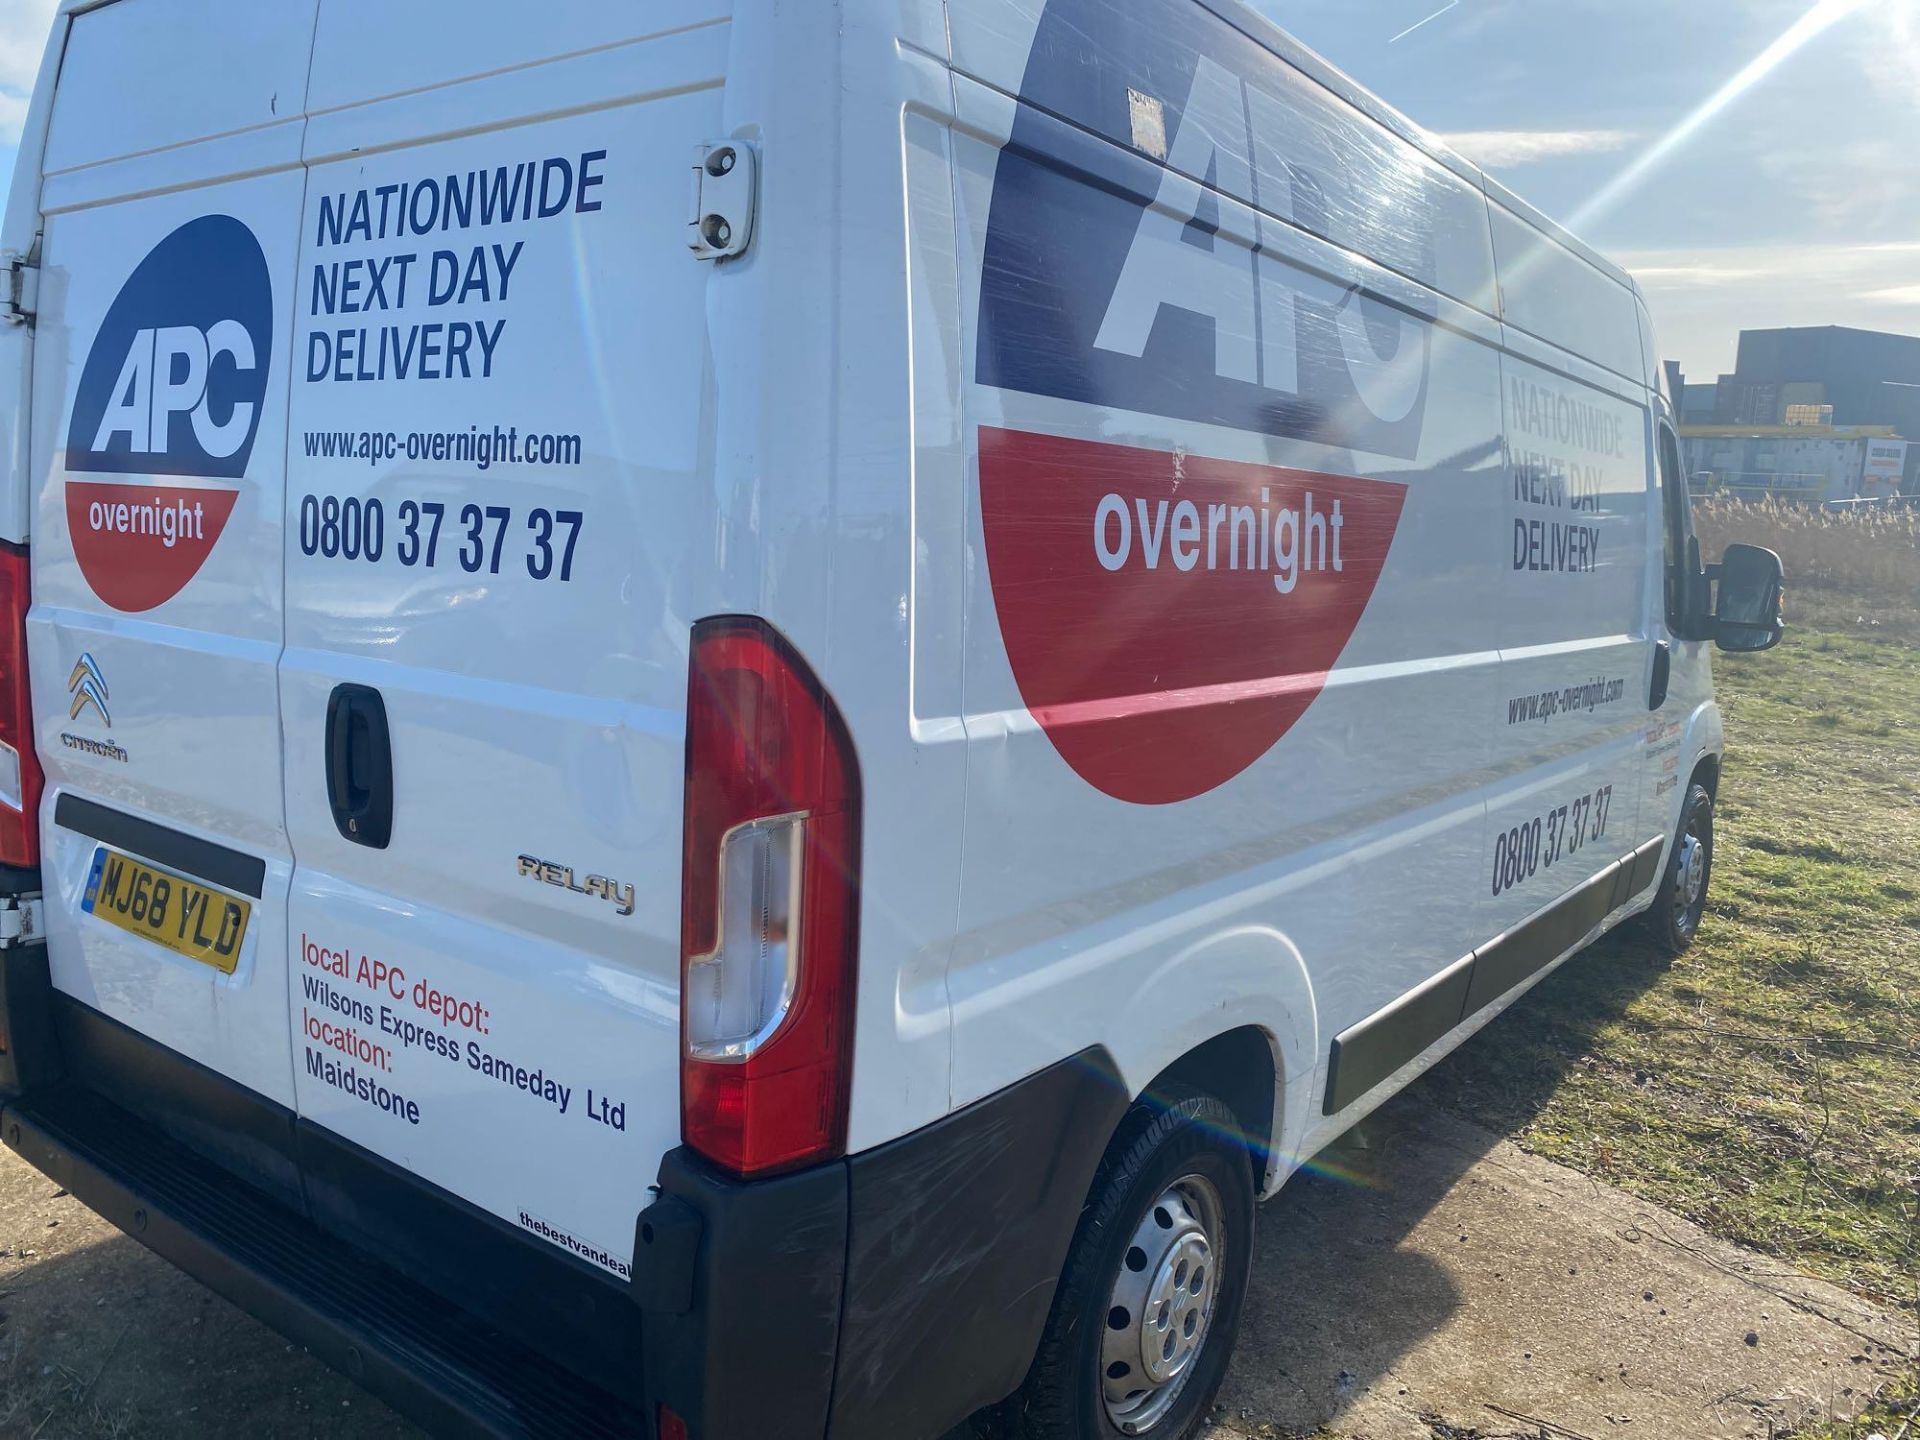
(88, 687)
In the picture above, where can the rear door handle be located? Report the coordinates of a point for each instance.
(360, 766)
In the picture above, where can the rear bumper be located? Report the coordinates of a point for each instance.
(888, 1295)
(451, 1373)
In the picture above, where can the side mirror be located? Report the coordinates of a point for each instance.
(1748, 616)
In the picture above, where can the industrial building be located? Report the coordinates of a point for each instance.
(1825, 412)
(1692, 404)
(1806, 464)
(1869, 377)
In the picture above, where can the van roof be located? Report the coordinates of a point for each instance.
(1244, 17)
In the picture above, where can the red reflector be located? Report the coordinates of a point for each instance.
(20, 778)
(769, 905)
(671, 1426)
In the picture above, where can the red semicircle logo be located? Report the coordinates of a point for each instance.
(138, 545)
(1170, 617)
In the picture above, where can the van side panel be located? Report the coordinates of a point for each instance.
(1203, 747)
(895, 481)
(440, 43)
(1557, 295)
(230, 67)
(1354, 183)
(1574, 636)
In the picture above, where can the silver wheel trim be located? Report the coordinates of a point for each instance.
(1160, 1312)
(1690, 874)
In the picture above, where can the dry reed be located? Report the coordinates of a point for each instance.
(1856, 570)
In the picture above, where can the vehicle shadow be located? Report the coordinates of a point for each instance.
(1344, 1276)
(101, 1338)
(1345, 1279)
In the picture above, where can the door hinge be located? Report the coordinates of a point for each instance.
(22, 921)
(20, 297)
(725, 182)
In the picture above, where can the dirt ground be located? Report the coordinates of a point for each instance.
(1428, 1280)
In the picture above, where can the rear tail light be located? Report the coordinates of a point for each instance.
(20, 778)
(769, 905)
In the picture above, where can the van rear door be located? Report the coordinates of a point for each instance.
(501, 417)
(172, 198)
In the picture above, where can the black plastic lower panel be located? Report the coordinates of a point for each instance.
(886, 1297)
(451, 1373)
(1365, 1054)
(752, 1352)
(579, 1317)
(226, 1123)
(957, 1235)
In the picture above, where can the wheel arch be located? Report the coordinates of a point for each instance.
(1241, 1069)
(1707, 773)
(1232, 1016)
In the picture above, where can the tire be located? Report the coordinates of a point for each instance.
(1170, 1215)
(1681, 899)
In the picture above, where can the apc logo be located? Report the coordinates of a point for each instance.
(1111, 278)
(175, 379)
(1169, 616)
(174, 385)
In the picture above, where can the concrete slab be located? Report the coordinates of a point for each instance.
(1433, 1281)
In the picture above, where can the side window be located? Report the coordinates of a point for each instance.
(1677, 522)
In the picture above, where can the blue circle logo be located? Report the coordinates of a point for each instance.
(177, 376)
(1125, 262)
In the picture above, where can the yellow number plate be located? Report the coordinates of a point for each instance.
(187, 917)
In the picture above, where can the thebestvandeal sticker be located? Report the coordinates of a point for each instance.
(173, 386)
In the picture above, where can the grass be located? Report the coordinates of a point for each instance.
(33, 1395)
(1854, 573)
(1767, 1085)
(1893, 1414)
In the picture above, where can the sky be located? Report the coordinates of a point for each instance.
(1795, 200)
(23, 35)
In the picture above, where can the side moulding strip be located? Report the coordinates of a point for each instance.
(1366, 1053)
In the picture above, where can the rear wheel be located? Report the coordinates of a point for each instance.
(1143, 1321)
(1682, 898)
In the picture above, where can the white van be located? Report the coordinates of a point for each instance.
(742, 711)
